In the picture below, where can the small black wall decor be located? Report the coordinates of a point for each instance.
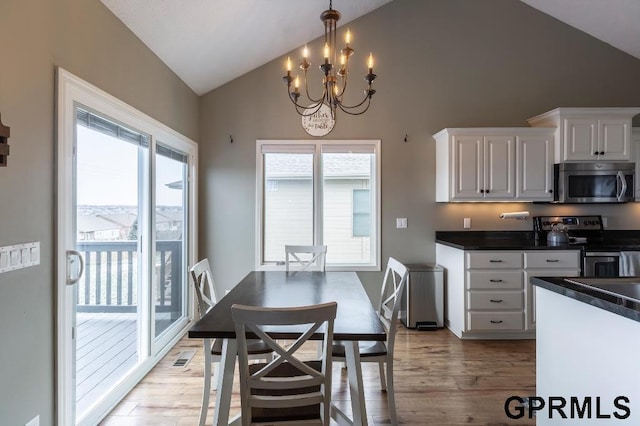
(4, 144)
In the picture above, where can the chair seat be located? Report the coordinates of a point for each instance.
(367, 349)
(290, 414)
(254, 347)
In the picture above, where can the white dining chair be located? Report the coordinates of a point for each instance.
(306, 258)
(206, 297)
(288, 390)
(394, 282)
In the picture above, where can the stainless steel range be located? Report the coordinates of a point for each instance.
(602, 256)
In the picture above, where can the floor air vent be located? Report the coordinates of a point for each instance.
(183, 358)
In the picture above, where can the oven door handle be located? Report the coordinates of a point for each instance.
(622, 185)
(602, 254)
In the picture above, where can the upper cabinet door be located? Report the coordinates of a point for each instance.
(499, 167)
(613, 135)
(468, 167)
(535, 168)
(580, 139)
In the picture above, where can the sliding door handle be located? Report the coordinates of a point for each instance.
(74, 258)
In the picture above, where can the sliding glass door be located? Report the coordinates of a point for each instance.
(170, 214)
(126, 221)
(110, 177)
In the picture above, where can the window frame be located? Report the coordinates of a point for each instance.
(292, 146)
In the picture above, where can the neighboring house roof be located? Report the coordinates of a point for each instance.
(166, 215)
(86, 223)
(299, 166)
(103, 218)
(120, 219)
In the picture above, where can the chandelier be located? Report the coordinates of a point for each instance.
(334, 79)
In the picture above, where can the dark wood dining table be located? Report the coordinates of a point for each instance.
(356, 320)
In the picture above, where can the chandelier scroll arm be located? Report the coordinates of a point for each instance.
(347, 109)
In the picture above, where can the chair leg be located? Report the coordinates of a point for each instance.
(391, 397)
(214, 373)
(383, 382)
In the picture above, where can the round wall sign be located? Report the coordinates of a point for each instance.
(319, 123)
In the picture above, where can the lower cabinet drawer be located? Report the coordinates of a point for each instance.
(495, 300)
(495, 280)
(492, 321)
(548, 259)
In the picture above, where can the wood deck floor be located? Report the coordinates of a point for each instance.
(440, 380)
(106, 350)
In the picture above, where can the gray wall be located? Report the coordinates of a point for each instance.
(451, 63)
(454, 63)
(86, 39)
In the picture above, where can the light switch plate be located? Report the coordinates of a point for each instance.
(466, 223)
(19, 256)
(4, 260)
(401, 222)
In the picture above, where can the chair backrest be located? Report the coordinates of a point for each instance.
(310, 258)
(278, 390)
(205, 288)
(395, 280)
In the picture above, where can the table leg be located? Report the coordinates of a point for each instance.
(225, 382)
(206, 391)
(356, 389)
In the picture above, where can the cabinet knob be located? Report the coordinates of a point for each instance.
(550, 191)
(595, 153)
(601, 152)
(486, 191)
(482, 191)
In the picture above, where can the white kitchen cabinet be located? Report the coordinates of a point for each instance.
(484, 293)
(590, 134)
(534, 166)
(635, 135)
(588, 352)
(488, 294)
(546, 263)
(481, 164)
(483, 167)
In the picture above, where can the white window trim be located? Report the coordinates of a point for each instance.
(317, 207)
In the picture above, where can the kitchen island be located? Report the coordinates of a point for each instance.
(587, 353)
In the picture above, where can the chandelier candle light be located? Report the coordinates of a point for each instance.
(334, 81)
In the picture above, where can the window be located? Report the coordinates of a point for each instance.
(319, 192)
(361, 213)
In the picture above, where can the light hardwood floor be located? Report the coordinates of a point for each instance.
(440, 380)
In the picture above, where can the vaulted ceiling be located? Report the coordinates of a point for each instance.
(208, 43)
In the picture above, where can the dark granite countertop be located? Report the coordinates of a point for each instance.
(615, 240)
(613, 304)
(497, 240)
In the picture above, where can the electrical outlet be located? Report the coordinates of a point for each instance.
(466, 223)
(34, 421)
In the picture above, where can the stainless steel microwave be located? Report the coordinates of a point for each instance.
(594, 182)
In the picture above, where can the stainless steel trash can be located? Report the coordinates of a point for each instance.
(423, 299)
